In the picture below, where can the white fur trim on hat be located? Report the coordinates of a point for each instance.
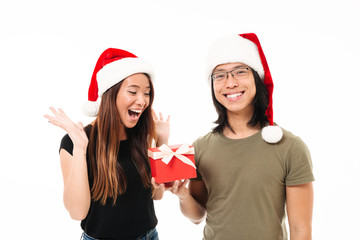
(90, 108)
(116, 71)
(232, 49)
(272, 134)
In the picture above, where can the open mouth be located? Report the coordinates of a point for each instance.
(234, 96)
(134, 114)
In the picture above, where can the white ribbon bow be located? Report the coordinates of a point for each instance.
(166, 154)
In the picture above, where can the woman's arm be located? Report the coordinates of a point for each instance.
(299, 201)
(77, 196)
(162, 137)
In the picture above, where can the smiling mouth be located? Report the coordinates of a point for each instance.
(234, 95)
(134, 113)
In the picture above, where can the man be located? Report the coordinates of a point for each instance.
(250, 171)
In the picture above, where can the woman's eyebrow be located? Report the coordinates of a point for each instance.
(136, 86)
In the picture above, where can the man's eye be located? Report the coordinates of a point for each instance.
(240, 72)
(220, 75)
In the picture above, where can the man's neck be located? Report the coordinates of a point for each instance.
(240, 127)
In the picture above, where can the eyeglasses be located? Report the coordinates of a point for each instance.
(238, 74)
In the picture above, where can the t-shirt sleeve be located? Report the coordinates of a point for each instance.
(299, 164)
(196, 156)
(67, 144)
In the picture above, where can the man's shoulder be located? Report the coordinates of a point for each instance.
(290, 139)
(288, 135)
(205, 138)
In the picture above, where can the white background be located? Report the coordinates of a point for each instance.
(48, 50)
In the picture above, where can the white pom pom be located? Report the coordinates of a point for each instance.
(90, 108)
(271, 134)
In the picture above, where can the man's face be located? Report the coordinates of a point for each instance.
(235, 94)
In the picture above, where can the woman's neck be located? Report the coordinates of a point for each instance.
(123, 135)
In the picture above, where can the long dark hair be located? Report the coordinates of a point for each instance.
(109, 179)
(260, 104)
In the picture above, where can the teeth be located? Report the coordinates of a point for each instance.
(234, 95)
(136, 111)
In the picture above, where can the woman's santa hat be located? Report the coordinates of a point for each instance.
(246, 48)
(113, 66)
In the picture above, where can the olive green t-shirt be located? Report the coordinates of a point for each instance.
(246, 180)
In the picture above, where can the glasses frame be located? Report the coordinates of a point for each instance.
(227, 73)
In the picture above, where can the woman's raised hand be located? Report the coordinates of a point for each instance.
(162, 128)
(76, 131)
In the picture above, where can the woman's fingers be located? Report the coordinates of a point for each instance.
(161, 116)
(156, 185)
(154, 115)
(81, 126)
(63, 114)
(55, 121)
(61, 120)
(52, 109)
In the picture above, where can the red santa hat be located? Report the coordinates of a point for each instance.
(246, 48)
(113, 66)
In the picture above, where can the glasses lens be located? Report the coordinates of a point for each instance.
(240, 72)
(219, 77)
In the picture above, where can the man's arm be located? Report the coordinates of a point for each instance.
(299, 201)
(192, 199)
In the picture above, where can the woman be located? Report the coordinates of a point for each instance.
(107, 179)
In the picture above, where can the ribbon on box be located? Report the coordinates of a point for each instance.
(166, 154)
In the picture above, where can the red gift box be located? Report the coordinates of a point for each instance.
(170, 163)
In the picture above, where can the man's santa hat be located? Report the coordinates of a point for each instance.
(113, 66)
(246, 48)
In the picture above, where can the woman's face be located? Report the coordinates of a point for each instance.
(236, 95)
(133, 98)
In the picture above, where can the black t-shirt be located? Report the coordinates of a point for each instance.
(133, 213)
